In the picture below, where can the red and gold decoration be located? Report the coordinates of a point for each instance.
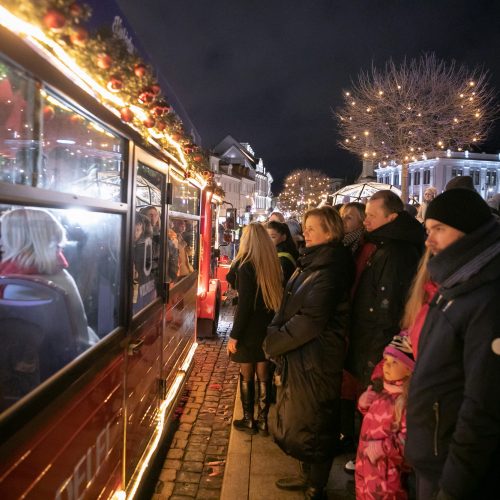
(133, 91)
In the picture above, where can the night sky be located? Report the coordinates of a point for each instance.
(269, 72)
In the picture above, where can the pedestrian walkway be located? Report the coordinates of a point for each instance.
(208, 461)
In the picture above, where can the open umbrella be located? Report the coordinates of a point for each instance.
(359, 192)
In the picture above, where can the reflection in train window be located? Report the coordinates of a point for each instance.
(185, 198)
(182, 259)
(147, 236)
(59, 291)
(19, 129)
(63, 151)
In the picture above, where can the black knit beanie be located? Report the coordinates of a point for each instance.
(462, 209)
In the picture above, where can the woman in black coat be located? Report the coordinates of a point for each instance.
(256, 274)
(307, 338)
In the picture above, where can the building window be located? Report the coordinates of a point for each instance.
(427, 176)
(396, 179)
(456, 172)
(417, 179)
(491, 177)
(409, 178)
(476, 177)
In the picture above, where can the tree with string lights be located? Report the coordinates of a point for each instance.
(304, 189)
(402, 112)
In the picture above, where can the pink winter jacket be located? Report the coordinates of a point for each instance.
(384, 440)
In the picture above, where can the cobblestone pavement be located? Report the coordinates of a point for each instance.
(194, 466)
(196, 460)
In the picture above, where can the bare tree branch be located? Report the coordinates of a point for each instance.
(402, 112)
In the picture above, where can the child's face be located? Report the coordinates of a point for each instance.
(394, 369)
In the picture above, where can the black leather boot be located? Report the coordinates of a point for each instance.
(293, 483)
(313, 493)
(247, 394)
(264, 395)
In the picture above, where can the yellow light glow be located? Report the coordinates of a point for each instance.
(61, 60)
(165, 405)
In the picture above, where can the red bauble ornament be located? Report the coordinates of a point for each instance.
(176, 137)
(126, 115)
(104, 60)
(76, 10)
(197, 158)
(149, 122)
(54, 20)
(48, 112)
(114, 84)
(76, 119)
(161, 109)
(146, 97)
(140, 70)
(161, 126)
(79, 37)
(155, 88)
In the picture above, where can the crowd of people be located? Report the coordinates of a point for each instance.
(383, 335)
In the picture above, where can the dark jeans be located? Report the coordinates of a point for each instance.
(319, 473)
(426, 488)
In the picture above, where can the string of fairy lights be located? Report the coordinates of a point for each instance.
(107, 66)
(404, 111)
(304, 189)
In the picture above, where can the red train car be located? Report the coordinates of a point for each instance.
(105, 263)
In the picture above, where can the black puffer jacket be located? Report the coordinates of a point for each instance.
(379, 299)
(309, 336)
(453, 413)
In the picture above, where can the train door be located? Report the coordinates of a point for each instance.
(143, 364)
(181, 263)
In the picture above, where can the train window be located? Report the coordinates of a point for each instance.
(185, 198)
(182, 248)
(79, 155)
(59, 291)
(46, 143)
(19, 131)
(147, 236)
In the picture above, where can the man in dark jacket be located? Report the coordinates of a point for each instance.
(453, 414)
(385, 268)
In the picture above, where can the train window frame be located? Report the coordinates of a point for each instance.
(86, 365)
(195, 256)
(42, 92)
(142, 157)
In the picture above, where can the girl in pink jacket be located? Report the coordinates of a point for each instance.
(380, 458)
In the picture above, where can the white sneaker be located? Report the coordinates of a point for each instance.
(350, 467)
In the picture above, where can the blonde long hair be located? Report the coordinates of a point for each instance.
(416, 296)
(257, 247)
(32, 237)
(400, 404)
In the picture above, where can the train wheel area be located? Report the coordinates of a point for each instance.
(207, 459)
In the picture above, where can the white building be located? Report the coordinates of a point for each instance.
(243, 177)
(438, 168)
